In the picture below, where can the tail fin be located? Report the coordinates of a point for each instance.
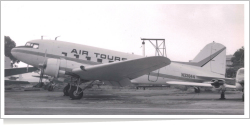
(212, 58)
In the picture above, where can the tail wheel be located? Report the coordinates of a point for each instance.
(66, 90)
(74, 93)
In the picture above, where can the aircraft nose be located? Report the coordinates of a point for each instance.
(14, 52)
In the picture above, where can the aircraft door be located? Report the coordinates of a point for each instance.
(153, 76)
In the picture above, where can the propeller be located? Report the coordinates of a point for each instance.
(42, 67)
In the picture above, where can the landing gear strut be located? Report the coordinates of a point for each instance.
(197, 90)
(73, 89)
(66, 90)
(243, 95)
(222, 95)
(75, 92)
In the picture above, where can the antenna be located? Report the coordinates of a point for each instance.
(56, 37)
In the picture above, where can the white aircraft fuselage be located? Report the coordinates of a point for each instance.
(65, 61)
(86, 55)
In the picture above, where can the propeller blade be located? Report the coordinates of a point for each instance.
(27, 68)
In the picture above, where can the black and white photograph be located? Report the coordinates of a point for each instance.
(124, 59)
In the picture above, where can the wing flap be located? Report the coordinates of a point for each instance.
(118, 71)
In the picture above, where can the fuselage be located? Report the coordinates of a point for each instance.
(240, 79)
(36, 52)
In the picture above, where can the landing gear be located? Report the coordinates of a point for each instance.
(197, 90)
(73, 89)
(51, 88)
(222, 95)
(66, 90)
(243, 95)
(75, 93)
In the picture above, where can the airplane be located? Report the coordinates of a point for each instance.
(77, 64)
(240, 81)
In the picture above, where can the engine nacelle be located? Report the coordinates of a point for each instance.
(52, 67)
(59, 67)
(217, 83)
(239, 86)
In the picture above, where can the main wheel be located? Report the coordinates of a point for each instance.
(66, 90)
(74, 94)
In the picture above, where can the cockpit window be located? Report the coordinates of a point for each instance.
(32, 45)
(36, 46)
(27, 44)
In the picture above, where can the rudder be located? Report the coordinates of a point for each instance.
(212, 58)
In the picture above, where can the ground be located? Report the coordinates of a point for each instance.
(108, 101)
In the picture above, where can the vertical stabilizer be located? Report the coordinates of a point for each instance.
(212, 58)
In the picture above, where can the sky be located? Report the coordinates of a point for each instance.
(119, 26)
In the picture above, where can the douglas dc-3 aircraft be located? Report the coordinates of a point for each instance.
(77, 64)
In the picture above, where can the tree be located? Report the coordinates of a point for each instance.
(238, 59)
(9, 44)
(238, 62)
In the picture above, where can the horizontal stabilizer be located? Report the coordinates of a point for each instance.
(205, 84)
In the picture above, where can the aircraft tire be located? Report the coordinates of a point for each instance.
(66, 90)
(74, 95)
(243, 97)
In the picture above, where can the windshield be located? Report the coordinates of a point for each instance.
(27, 44)
(33, 45)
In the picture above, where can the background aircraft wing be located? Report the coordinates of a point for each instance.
(9, 82)
(117, 71)
(16, 71)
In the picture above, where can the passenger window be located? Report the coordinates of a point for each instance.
(36, 46)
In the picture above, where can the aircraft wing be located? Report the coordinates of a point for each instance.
(204, 84)
(117, 71)
(15, 71)
(9, 82)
